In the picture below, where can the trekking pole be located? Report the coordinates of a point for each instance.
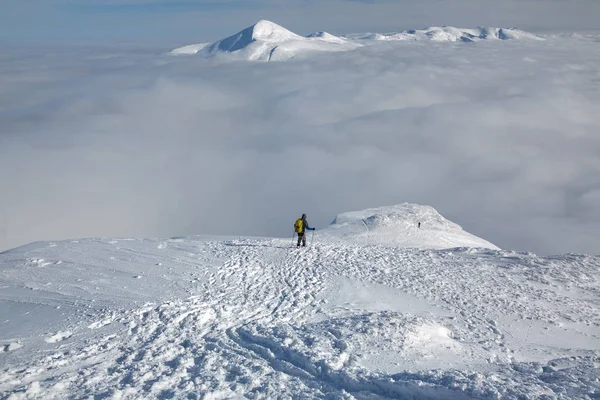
(293, 235)
(312, 236)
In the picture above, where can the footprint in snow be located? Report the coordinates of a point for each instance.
(11, 346)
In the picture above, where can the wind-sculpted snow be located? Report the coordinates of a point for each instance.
(267, 41)
(403, 225)
(208, 317)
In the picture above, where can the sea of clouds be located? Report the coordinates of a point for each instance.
(500, 137)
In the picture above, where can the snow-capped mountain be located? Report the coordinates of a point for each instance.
(223, 317)
(267, 41)
(451, 34)
(403, 225)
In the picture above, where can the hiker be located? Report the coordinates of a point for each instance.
(300, 227)
(419, 225)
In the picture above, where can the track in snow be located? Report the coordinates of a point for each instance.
(262, 320)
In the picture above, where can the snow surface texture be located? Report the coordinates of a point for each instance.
(267, 41)
(208, 317)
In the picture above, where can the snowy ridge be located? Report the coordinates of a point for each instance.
(451, 34)
(327, 37)
(267, 41)
(399, 226)
(218, 317)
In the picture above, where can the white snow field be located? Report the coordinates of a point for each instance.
(267, 41)
(344, 318)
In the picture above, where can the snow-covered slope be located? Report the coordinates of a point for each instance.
(398, 226)
(267, 41)
(190, 49)
(217, 317)
(327, 37)
(451, 34)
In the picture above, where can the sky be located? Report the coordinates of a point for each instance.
(122, 139)
(163, 21)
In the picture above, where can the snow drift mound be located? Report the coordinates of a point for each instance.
(452, 34)
(267, 41)
(398, 226)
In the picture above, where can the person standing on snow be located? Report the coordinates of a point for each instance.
(300, 227)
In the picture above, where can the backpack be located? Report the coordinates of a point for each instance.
(298, 226)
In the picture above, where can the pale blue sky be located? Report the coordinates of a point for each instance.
(198, 20)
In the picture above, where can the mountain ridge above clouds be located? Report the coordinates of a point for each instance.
(449, 34)
(268, 41)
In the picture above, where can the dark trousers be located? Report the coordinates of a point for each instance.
(301, 238)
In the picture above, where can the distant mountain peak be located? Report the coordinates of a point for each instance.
(268, 41)
(326, 36)
(450, 34)
(263, 30)
(267, 30)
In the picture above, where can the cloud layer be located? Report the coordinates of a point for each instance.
(500, 137)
